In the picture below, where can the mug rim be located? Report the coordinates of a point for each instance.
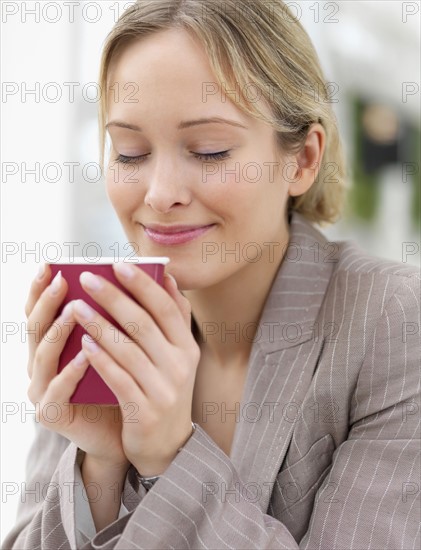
(107, 260)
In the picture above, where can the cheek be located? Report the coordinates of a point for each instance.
(224, 194)
(121, 192)
(238, 193)
(252, 200)
(113, 189)
(237, 200)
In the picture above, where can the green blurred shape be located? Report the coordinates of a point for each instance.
(364, 191)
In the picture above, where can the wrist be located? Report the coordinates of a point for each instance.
(105, 467)
(156, 468)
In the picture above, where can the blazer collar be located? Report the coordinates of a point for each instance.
(283, 357)
(298, 289)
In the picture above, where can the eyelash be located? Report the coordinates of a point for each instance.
(205, 157)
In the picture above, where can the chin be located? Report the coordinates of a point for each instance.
(197, 278)
(187, 277)
(188, 282)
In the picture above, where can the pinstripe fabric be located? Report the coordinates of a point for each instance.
(326, 450)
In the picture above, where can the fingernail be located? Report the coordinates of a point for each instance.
(41, 272)
(89, 343)
(67, 312)
(173, 280)
(125, 270)
(80, 360)
(90, 281)
(55, 285)
(83, 309)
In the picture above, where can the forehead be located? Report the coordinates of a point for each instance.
(167, 66)
(167, 77)
(169, 71)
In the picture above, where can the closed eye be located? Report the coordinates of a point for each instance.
(212, 156)
(130, 160)
(201, 156)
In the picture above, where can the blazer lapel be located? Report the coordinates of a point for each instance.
(282, 360)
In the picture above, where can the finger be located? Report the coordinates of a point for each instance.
(183, 303)
(120, 349)
(154, 299)
(149, 367)
(38, 285)
(45, 310)
(147, 339)
(44, 366)
(62, 387)
(121, 383)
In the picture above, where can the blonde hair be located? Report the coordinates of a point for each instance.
(256, 44)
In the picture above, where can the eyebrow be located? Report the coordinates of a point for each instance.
(182, 125)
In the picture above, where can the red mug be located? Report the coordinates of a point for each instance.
(92, 389)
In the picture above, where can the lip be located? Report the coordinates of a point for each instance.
(168, 229)
(175, 234)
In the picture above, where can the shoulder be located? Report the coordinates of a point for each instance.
(346, 255)
(363, 278)
(364, 295)
(354, 260)
(377, 278)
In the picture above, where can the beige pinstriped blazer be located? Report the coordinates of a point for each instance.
(326, 449)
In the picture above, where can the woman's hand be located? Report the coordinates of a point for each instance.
(51, 392)
(152, 372)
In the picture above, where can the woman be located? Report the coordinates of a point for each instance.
(277, 387)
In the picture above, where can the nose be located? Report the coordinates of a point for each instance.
(166, 187)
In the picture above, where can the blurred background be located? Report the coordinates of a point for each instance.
(52, 191)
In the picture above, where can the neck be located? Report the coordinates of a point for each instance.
(226, 315)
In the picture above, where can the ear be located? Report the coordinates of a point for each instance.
(307, 161)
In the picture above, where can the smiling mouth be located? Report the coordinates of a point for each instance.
(173, 236)
(158, 228)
